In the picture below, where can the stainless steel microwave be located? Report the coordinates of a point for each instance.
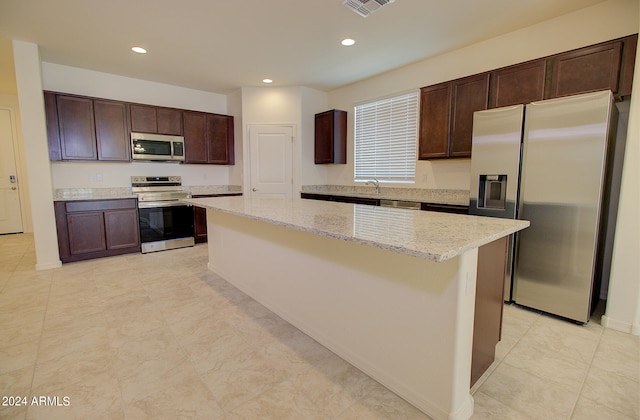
(157, 147)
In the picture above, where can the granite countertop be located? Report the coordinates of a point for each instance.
(420, 195)
(427, 235)
(71, 194)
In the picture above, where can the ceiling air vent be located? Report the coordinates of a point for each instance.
(365, 7)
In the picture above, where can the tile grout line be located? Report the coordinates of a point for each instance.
(586, 374)
(35, 363)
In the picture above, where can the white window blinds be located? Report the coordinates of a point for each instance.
(386, 133)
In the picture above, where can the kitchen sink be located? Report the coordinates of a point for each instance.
(412, 205)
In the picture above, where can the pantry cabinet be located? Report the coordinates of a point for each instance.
(90, 229)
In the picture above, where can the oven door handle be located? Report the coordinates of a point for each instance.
(155, 204)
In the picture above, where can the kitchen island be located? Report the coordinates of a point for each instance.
(389, 290)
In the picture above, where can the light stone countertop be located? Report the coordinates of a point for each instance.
(421, 195)
(72, 194)
(422, 234)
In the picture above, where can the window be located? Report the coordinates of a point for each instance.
(386, 133)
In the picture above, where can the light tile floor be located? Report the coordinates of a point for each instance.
(159, 336)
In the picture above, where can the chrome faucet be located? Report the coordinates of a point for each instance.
(376, 183)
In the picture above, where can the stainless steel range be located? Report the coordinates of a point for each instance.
(165, 222)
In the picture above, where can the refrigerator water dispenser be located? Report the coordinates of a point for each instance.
(492, 192)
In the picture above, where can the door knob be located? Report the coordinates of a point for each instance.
(254, 189)
(13, 188)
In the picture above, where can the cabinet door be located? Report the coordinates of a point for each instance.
(330, 137)
(200, 224)
(122, 230)
(323, 138)
(630, 44)
(220, 147)
(519, 84)
(143, 119)
(77, 129)
(586, 70)
(469, 94)
(194, 137)
(435, 107)
(86, 232)
(112, 130)
(53, 133)
(169, 121)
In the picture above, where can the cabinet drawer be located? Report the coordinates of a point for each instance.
(100, 205)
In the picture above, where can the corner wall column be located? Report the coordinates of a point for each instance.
(34, 129)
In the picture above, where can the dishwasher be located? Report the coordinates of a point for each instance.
(411, 205)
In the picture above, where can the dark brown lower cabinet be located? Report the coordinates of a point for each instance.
(200, 218)
(200, 224)
(90, 229)
(487, 325)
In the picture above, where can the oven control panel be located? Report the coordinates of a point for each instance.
(149, 181)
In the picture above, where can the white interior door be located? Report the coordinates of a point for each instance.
(10, 214)
(271, 154)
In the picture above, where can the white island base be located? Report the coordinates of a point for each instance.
(407, 322)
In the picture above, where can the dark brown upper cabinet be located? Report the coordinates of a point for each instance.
(446, 116)
(435, 112)
(629, 48)
(519, 84)
(81, 128)
(53, 131)
(586, 70)
(330, 137)
(112, 130)
(208, 138)
(470, 94)
(446, 109)
(157, 120)
(76, 127)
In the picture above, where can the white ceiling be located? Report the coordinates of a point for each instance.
(221, 45)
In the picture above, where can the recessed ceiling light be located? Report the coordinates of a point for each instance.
(139, 50)
(348, 42)
(267, 81)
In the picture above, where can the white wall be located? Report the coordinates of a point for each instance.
(290, 106)
(78, 81)
(623, 308)
(34, 133)
(234, 107)
(313, 102)
(602, 22)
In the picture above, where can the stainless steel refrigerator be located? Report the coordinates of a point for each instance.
(552, 163)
